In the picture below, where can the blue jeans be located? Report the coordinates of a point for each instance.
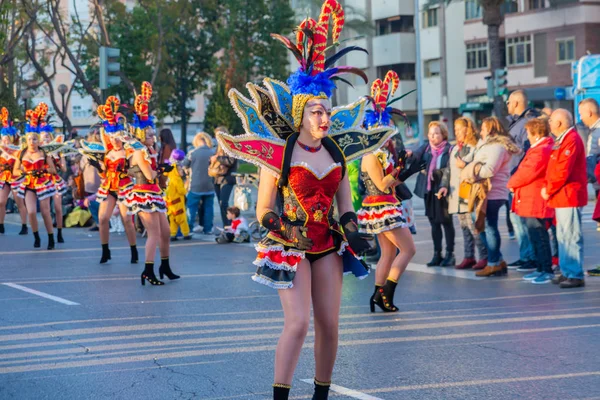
(540, 241)
(201, 203)
(93, 208)
(525, 249)
(570, 242)
(491, 236)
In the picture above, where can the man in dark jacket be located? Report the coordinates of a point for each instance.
(518, 116)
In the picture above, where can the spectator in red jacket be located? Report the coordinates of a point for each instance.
(566, 192)
(526, 184)
(596, 217)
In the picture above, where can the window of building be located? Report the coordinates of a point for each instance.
(510, 6)
(565, 50)
(518, 50)
(537, 4)
(79, 112)
(477, 56)
(472, 9)
(430, 18)
(406, 72)
(431, 68)
(399, 23)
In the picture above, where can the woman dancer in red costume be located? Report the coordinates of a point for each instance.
(8, 156)
(146, 198)
(36, 167)
(116, 185)
(302, 146)
(60, 164)
(382, 213)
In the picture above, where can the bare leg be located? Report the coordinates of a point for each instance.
(45, 210)
(3, 200)
(58, 210)
(327, 297)
(402, 239)
(165, 235)
(21, 206)
(384, 265)
(31, 204)
(152, 225)
(128, 224)
(104, 213)
(296, 312)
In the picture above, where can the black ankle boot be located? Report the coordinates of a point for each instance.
(321, 390)
(37, 242)
(59, 237)
(1, 228)
(281, 392)
(449, 260)
(436, 260)
(165, 269)
(24, 230)
(148, 275)
(50, 241)
(105, 254)
(134, 254)
(384, 298)
(372, 301)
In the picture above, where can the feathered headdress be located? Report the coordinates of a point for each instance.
(381, 92)
(316, 75)
(36, 119)
(110, 116)
(7, 126)
(141, 118)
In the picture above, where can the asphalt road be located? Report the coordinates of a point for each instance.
(212, 334)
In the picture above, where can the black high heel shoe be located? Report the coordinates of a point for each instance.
(372, 300)
(134, 254)
(105, 254)
(151, 278)
(36, 242)
(50, 241)
(59, 237)
(165, 269)
(384, 298)
(24, 230)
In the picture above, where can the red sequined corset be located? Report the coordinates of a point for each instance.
(36, 167)
(115, 173)
(308, 197)
(6, 164)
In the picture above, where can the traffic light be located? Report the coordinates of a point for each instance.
(109, 64)
(500, 82)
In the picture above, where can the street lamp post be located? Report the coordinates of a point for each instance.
(63, 89)
(25, 96)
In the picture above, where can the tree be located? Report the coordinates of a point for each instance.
(192, 41)
(250, 54)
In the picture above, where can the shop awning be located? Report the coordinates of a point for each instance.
(475, 106)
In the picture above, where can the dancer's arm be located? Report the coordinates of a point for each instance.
(51, 166)
(140, 161)
(371, 165)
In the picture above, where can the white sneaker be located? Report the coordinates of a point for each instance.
(198, 229)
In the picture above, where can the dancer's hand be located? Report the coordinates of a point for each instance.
(359, 242)
(297, 235)
(162, 168)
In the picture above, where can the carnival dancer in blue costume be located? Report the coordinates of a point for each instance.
(302, 146)
(382, 213)
(9, 150)
(146, 199)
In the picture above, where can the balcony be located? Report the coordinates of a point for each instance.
(389, 8)
(395, 48)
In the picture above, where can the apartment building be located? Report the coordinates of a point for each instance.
(539, 39)
(81, 109)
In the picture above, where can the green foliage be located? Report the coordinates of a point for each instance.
(220, 112)
(246, 168)
(249, 55)
(8, 100)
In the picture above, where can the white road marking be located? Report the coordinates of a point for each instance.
(41, 294)
(445, 271)
(347, 392)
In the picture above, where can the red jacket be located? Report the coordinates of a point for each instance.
(528, 181)
(566, 177)
(596, 214)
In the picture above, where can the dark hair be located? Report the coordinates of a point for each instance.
(234, 210)
(166, 138)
